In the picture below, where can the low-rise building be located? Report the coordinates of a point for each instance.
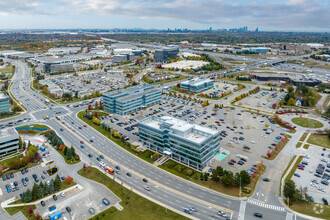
(197, 85)
(132, 99)
(4, 103)
(63, 50)
(191, 144)
(8, 140)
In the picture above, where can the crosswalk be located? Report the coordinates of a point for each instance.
(19, 216)
(268, 206)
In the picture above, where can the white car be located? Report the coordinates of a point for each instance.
(147, 188)
(62, 194)
(252, 142)
(321, 189)
(307, 156)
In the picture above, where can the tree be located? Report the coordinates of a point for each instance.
(215, 176)
(28, 196)
(1, 169)
(45, 89)
(69, 154)
(41, 190)
(95, 114)
(76, 94)
(65, 150)
(206, 176)
(245, 178)
(226, 181)
(30, 210)
(89, 107)
(20, 142)
(68, 179)
(51, 187)
(237, 180)
(57, 183)
(291, 102)
(289, 189)
(201, 176)
(35, 190)
(219, 170)
(73, 151)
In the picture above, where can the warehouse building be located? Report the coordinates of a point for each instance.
(4, 103)
(295, 80)
(197, 85)
(8, 141)
(132, 99)
(193, 145)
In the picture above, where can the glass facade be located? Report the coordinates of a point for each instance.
(130, 100)
(4, 103)
(194, 154)
(197, 85)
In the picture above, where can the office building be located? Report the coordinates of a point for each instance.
(261, 50)
(193, 145)
(8, 140)
(166, 53)
(58, 67)
(4, 103)
(63, 50)
(132, 99)
(197, 85)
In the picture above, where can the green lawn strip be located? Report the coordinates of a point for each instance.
(72, 161)
(275, 152)
(319, 140)
(307, 122)
(307, 209)
(24, 210)
(135, 206)
(190, 174)
(143, 155)
(286, 169)
(294, 168)
(303, 137)
(35, 126)
(298, 144)
(289, 136)
(306, 146)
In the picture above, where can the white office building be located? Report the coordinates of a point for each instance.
(8, 141)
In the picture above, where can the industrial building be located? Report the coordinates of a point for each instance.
(8, 140)
(132, 99)
(193, 145)
(261, 50)
(295, 80)
(58, 67)
(123, 57)
(197, 85)
(63, 50)
(166, 53)
(4, 103)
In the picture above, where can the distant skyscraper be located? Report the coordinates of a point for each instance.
(257, 29)
(210, 29)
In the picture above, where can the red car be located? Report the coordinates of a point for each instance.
(85, 126)
(301, 168)
(63, 122)
(80, 127)
(232, 160)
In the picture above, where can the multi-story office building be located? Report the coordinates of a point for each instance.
(197, 85)
(132, 99)
(190, 144)
(166, 53)
(4, 103)
(8, 140)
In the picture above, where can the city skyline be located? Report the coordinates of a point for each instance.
(284, 15)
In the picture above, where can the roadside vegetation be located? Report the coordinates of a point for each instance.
(135, 206)
(27, 211)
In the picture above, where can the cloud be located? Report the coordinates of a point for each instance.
(280, 14)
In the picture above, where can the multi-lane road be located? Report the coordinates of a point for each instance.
(171, 191)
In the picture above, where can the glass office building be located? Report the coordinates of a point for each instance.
(197, 85)
(8, 141)
(166, 53)
(132, 99)
(193, 145)
(4, 103)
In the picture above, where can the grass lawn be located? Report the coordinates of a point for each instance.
(303, 137)
(72, 161)
(24, 210)
(194, 176)
(319, 140)
(307, 209)
(294, 168)
(143, 155)
(286, 169)
(135, 206)
(307, 122)
(306, 146)
(298, 144)
(7, 69)
(280, 146)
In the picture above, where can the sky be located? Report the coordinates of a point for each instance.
(267, 15)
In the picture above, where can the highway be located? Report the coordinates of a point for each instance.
(166, 188)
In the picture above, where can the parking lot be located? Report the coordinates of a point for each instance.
(220, 87)
(308, 178)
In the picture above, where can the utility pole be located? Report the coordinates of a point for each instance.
(240, 189)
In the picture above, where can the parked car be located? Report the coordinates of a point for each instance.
(256, 214)
(54, 197)
(296, 174)
(325, 201)
(43, 204)
(266, 179)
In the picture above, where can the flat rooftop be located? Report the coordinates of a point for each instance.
(129, 97)
(196, 81)
(192, 132)
(3, 96)
(5, 132)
